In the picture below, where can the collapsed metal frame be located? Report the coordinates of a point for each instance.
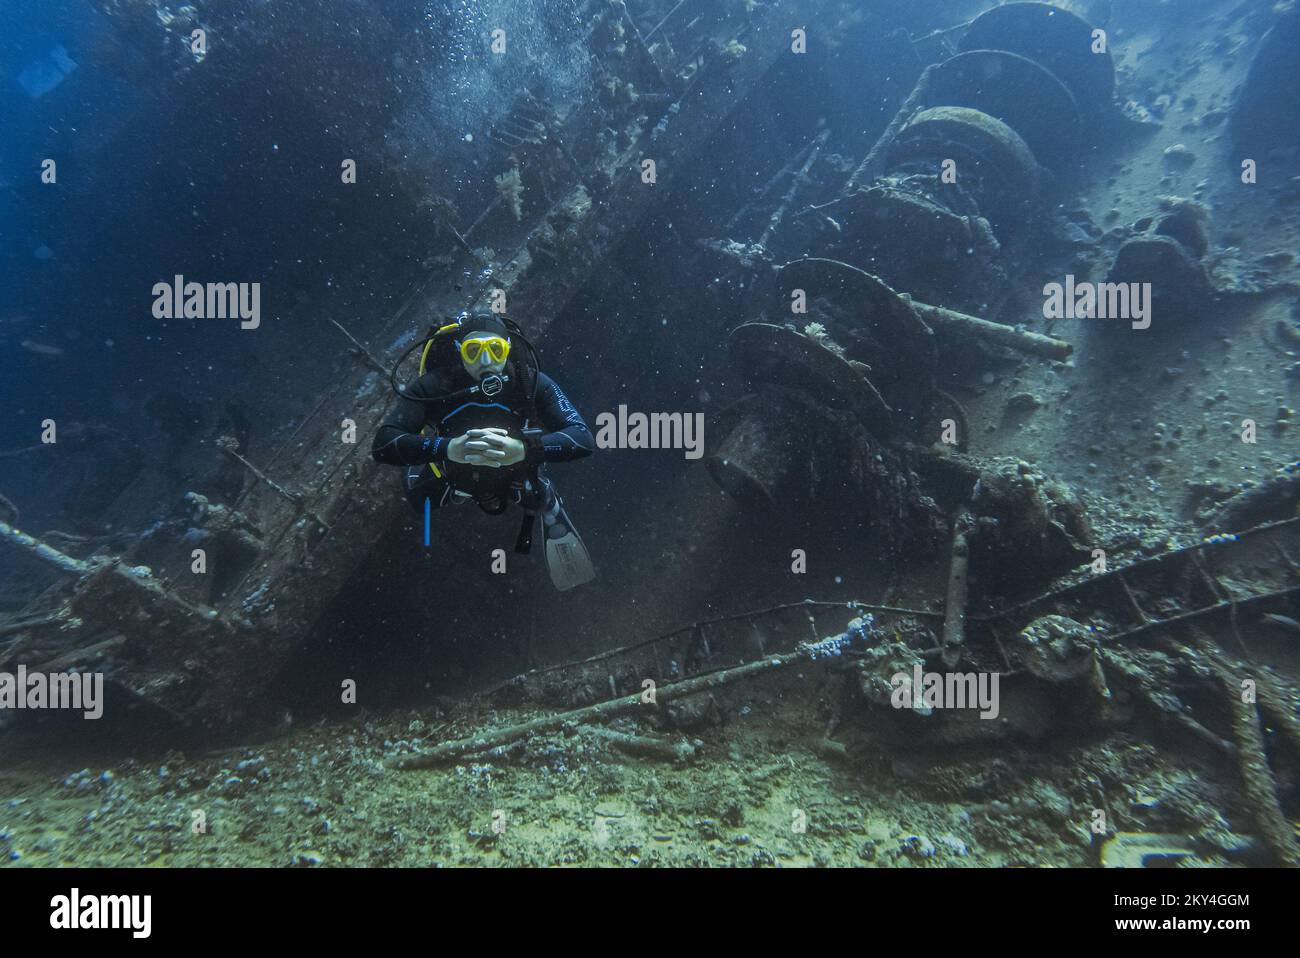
(698, 648)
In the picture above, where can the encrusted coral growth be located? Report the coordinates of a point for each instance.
(1023, 513)
(733, 50)
(818, 332)
(511, 187)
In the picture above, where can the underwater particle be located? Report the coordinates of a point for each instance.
(510, 185)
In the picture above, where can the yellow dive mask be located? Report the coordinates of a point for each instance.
(498, 348)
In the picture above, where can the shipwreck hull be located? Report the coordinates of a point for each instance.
(320, 504)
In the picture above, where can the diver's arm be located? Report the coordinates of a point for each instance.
(398, 441)
(567, 436)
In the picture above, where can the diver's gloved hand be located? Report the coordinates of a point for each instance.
(469, 449)
(504, 448)
(486, 447)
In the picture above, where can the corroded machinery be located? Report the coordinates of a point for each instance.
(845, 405)
(940, 203)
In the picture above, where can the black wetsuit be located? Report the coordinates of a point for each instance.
(416, 435)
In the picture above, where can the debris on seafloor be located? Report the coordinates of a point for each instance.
(1169, 258)
(1143, 849)
(1276, 497)
(486, 739)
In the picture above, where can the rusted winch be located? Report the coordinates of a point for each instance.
(771, 453)
(786, 440)
(1025, 87)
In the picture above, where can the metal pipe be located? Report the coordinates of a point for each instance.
(667, 16)
(46, 553)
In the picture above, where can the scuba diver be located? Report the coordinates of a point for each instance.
(480, 423)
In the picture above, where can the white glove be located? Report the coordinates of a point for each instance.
(492, 447)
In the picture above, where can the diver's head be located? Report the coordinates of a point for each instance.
(483, 343)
